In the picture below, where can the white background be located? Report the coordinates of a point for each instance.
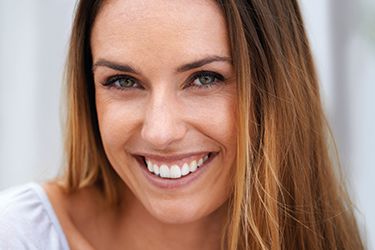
(33, 45)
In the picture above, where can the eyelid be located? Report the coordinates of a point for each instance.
(220, 78)
(111, 79)
(110, 82)
(189, 83)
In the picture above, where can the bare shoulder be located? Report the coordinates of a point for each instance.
(72, 209)
(59, 195)
(56, 192)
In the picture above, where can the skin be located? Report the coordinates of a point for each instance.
(163, 112)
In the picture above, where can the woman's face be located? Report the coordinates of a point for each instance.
(166, 98)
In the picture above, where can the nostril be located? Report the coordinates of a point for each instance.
(161, 136)
(162, 126)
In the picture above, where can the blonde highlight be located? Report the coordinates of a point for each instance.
(286, 198)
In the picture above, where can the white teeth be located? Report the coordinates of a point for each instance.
(164, 171)
(156, 169)
(175, 172)
(150, 166)
(185, 169)
(193, 166)
(200, 162)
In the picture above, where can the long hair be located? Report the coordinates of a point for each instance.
(285, 194)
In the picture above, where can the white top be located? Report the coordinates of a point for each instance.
(28, 221)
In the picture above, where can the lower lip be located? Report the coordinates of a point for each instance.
(180, 182)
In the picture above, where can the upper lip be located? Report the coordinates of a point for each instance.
(170, 158)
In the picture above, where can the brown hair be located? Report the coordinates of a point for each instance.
(285, 193)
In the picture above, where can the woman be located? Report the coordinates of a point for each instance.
(191, 125)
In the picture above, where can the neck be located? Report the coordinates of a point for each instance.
(140, 230)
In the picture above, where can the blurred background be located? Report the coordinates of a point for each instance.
(33, 46)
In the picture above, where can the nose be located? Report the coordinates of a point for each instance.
(162, 124)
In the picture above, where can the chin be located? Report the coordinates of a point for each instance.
(184, 211)
(171, 212)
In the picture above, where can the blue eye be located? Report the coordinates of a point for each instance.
(122, 82)
(205, 79)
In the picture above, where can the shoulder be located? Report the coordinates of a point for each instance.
(27, 220)
(19, 207)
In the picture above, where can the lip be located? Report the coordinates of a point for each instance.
(171, 184)
(173, 158)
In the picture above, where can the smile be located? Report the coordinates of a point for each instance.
(166, 169)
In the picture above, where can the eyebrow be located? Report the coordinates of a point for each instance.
(204, 61)
(182, 68)
(115, 66)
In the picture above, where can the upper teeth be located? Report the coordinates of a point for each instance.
(175, 171)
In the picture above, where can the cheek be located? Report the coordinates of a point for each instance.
(116, 120)
(215, 116)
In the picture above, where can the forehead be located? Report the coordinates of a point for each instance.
(163, 29)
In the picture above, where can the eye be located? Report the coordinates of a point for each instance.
(205, 79)
(122, 82)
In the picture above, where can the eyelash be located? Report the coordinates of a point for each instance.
(217, 80)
